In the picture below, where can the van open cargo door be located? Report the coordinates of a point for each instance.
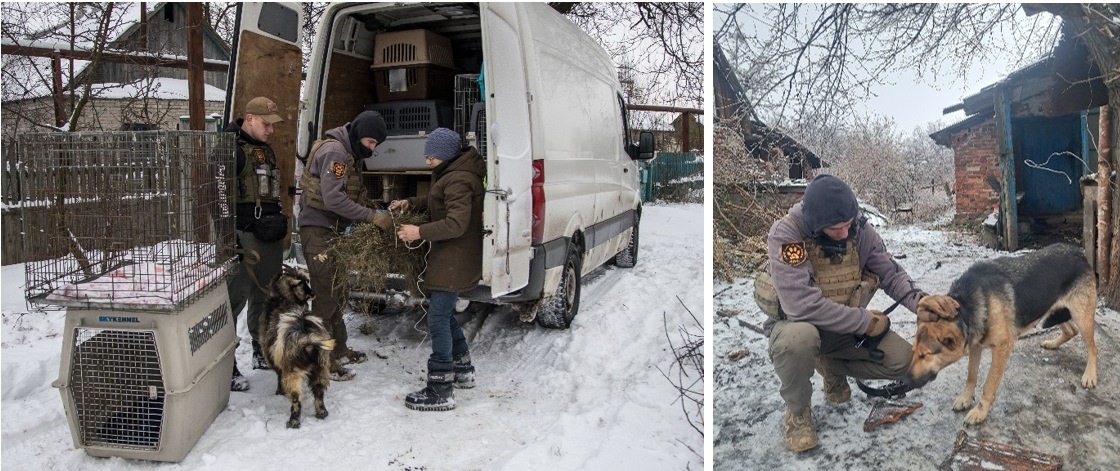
(509, 165)
(267, 61)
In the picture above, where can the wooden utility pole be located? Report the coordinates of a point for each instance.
(1008, 204)
(195, 78)
(686, 118)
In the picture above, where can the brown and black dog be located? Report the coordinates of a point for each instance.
(996, 301)
(296, 344)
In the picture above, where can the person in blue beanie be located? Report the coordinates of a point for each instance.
(454, 263)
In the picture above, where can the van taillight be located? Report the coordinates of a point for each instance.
(538, 201)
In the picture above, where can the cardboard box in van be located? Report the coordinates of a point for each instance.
(562, 190)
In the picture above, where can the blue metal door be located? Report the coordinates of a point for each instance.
(1047, 164)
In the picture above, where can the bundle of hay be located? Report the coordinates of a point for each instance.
(366, 255)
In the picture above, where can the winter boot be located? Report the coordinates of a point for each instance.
(464, 371)
(340, 373)
(801, 434)
(258, 358)
(439, 394)
(836, 388)
(238, 382)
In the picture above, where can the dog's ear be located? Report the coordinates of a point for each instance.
(949, 341)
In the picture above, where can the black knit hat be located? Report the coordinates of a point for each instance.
(828, 201)
(367, 124)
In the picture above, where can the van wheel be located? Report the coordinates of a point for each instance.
(628, 257)
(561, 309)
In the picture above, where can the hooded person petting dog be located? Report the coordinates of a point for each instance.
(333, 199)
(825, 263)
(454, 263)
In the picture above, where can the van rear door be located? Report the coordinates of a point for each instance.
(509, 166)
(267, 61)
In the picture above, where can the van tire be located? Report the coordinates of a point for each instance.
(562, 308)
(628, 257)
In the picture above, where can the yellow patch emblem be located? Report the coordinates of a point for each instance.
(339, 169)
(259, 155)
(794, 254)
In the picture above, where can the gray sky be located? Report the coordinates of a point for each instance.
(913, 102)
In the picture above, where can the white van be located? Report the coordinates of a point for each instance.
(562, 174)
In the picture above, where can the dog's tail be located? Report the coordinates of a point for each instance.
(318, 335)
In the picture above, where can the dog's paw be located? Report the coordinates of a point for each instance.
(1089, 379)
(321, 414)
(963, 402)
(1051, 344)
(293, 423)
(976, 416)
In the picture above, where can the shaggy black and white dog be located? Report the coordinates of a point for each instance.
(296, 344)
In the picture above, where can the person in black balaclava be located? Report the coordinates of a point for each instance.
(333, 197)
(368, 124)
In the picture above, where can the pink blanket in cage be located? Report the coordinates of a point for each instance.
(146, 283)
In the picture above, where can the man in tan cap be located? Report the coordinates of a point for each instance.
(260, 224)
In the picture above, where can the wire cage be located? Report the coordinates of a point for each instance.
(126, 220)
(466, 95)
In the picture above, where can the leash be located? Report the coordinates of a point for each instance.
(250, 258)
(897, 303)
(894, 389)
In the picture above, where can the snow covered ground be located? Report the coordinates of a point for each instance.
(588, 398)
(1040, 405)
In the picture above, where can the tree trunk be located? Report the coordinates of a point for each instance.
(1104, 197)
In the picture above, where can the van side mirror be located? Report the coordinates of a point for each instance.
(645, 146)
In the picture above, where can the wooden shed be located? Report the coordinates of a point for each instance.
(1030, 136)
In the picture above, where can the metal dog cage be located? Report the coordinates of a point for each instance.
(126, 220)
(467, 93)
(133, 232)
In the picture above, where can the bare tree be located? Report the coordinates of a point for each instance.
(91, 28)
(662, 42)
(814, 62)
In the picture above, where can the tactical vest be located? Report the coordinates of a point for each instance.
(311, 184)
(258, 181)
(838, 277)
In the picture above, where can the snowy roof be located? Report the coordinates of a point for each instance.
(161, 88)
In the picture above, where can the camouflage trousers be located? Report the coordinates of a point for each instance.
(795, 346)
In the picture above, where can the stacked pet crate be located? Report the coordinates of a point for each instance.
(414, 75)
(133, 233)
(413, 65)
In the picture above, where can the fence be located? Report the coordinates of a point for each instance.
(673, 176)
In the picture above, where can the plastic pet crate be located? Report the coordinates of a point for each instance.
(411, 48)
(133, 232)
(399, 154)
(414, 83)
(146, 385)
(414, 117)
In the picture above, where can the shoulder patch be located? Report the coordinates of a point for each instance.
(258, 154)
(794, 254)
(338, 169)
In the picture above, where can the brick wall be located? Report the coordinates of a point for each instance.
(975, 157)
